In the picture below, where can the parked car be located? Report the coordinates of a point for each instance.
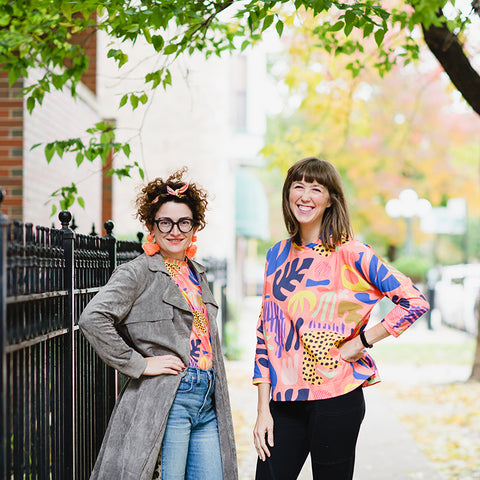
(456, 291)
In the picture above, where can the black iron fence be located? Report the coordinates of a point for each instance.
(56, 395)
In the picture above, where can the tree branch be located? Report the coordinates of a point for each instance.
(449, 52)
(219, 7)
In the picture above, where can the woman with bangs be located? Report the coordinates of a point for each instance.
(312, 360)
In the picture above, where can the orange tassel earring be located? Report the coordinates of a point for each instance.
(192, 249)
(150, 248)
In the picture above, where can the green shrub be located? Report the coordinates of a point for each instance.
(414, 267)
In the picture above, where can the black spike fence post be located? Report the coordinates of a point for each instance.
(65, 218)
(111, 376)
(4, 223)
(112, 245)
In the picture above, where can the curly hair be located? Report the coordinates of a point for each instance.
(336, 219)
(155, 194)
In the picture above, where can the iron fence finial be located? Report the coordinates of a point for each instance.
(109, 225)
(65, 217)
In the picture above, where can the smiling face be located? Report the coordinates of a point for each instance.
(175, 243)
(308, 202)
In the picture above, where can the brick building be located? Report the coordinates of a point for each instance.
(11, 146)
(24, 173)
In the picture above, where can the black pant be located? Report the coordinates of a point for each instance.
(327, 429)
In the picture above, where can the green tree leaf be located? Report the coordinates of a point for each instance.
(268, 22)
(49, 151)
(379, 35)
(169, 49)
(134, 101)
(158, 42)
(337, 26)
(279, 27)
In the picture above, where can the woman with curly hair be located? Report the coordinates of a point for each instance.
(154, 321)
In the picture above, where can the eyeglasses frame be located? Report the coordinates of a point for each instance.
(177, 223)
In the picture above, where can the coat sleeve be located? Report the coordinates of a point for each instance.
(410, 303)
(99, 319)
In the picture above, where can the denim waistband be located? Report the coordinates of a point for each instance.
(199, 374)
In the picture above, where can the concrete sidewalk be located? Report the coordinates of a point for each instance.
(385, 451)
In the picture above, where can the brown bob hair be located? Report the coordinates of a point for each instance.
(155, 194)
(336, 219)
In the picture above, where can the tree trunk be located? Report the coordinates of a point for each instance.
(475, 375)
(449, 52)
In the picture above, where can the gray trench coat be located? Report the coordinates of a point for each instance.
(139, 313)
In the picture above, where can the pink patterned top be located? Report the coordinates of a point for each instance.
(313, 299)
(201, 355)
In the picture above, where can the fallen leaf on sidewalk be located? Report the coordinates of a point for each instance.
(445, 422)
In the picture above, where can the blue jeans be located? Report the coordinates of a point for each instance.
(191, 446)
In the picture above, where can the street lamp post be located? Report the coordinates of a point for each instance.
(408, 206)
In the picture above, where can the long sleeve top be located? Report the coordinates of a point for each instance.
(313, 300)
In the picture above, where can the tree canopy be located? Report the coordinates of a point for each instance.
(382, 143)
(44, 34)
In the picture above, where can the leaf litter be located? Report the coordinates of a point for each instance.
(445, 422)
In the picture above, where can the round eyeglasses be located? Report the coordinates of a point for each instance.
(165, 225)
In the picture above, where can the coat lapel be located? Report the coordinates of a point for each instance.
(172, 295)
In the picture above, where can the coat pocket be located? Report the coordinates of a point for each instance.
(160, 314)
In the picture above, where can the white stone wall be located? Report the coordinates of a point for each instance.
(60, 117)
(188, 124)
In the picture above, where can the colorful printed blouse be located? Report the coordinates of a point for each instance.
(200, 342)
(313, 299)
